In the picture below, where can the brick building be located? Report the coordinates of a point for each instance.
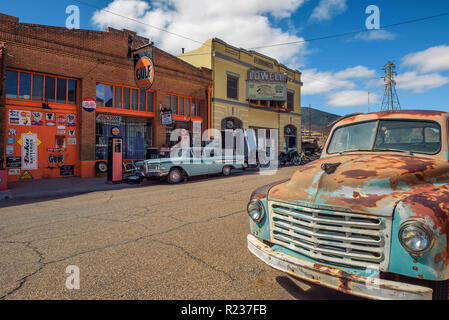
(48, 72)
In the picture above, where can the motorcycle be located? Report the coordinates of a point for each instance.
(290, 156)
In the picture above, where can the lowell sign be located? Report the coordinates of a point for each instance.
(266, 85)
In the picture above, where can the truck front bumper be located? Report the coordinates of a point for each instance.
(334, 278)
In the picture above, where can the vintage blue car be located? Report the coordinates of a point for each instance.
(371, 216)
(189, 162)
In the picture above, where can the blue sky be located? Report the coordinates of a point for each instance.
(337, 73)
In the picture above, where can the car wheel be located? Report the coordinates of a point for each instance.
(227, 171)
(101, 167)
(440, 289)
(174, 176)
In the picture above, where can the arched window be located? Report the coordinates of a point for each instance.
(231, 123)
(290, 133)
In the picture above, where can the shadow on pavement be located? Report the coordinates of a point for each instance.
(315, 292)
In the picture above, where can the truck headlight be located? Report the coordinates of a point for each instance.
(256, 210)
(415, 237)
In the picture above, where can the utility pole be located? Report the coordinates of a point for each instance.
(368, 101)
(310, 121)
(390, 101)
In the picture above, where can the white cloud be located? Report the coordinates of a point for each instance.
(420, 83)
(356, 72)
(351, 98)
(432, 59)
(240, 23)
(316, 82)
(327, 9)
(376, 35)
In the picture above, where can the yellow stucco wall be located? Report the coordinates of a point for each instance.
(223, 58)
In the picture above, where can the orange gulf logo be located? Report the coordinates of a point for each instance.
(144, 73)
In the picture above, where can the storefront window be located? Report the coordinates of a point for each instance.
(168, 102)
(181, 106)
(118, 97)
(38, 87)
(198, 108)
(150, 101)
(61, 94)
(30, 86)
(135, 100)
(143, 100)
(25, 86)
(137, 134)
(193, 107)
(108, 96)
(50, 86)
(100, 95)
(187, 107)
(11, 84)
(175, 104)
(126, 97)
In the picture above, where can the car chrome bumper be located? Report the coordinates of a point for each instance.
(337, 279)
(153, 174)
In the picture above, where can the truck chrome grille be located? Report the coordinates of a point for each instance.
(333, 237)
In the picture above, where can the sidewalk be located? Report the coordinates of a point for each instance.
(55, 188)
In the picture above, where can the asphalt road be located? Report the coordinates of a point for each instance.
(157, 241)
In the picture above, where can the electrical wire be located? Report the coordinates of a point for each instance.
(338, 35)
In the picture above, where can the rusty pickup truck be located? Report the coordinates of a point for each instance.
(371, 216)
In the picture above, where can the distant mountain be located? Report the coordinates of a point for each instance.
(319, 118)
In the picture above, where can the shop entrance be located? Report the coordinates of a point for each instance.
(137, 134)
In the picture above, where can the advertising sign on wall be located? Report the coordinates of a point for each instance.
(144, 70)
(29, 151)
(266, 91)
(89, 104)
(166, 118)
(266, 85)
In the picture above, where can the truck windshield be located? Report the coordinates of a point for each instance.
(388, 135)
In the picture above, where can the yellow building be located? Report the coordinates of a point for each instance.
(251, 90)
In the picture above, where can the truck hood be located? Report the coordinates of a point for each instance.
(362, 183)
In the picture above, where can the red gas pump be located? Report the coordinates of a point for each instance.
(115, 159)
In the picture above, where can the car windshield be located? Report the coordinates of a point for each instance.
(388, 135)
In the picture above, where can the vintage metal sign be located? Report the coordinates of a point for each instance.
(266, 91)
(166, 118)
(109, 119)
(144, 70)
(29, 151)
(266, 76)
(89, 104)
(266, 85)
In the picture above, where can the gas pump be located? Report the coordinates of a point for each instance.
(115, 159)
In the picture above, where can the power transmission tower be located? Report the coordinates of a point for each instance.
(390, 101)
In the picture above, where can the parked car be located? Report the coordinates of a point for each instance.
(187, 164)
(371, 216)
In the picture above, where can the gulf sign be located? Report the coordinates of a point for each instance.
(144, 73)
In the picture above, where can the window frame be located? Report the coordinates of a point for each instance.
(44, 76)
(187, 115)
(129, 111)
(228, 76)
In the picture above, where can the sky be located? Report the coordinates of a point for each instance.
(337, 72)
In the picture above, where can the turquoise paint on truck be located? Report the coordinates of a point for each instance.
(345, 210)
